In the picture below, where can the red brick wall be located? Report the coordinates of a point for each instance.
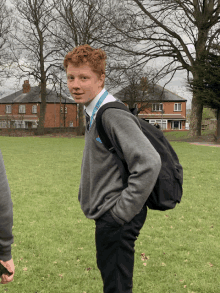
(52, 116)
(168, 108)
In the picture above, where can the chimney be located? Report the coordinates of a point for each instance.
(144, 83)
(26, 87)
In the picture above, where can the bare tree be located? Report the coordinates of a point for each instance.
(5, 26)
(78, 23)
(46, 31)
(179, 30)
(138, 85)
(33, 46)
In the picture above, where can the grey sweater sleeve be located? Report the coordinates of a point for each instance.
(6, 215)
(144, 162)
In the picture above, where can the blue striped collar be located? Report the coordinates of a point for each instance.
(91, 106)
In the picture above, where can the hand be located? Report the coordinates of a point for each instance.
(11, 268)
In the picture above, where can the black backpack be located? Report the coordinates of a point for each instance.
(168, 188)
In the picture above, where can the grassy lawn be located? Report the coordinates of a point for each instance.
(54, 243)
(172, 135)
(178, 135)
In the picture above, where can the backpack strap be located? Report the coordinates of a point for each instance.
(120, 161)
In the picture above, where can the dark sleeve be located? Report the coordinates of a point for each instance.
(6, 215)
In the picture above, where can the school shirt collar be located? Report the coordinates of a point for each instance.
(91, 106)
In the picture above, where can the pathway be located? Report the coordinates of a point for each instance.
(212, 144)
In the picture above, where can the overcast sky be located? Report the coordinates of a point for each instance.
(177, 85)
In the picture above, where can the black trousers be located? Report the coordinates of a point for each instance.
(115, 251)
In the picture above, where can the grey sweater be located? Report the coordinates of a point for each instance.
(6, 215)
(101, 187)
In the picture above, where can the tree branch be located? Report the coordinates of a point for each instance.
(173, 34)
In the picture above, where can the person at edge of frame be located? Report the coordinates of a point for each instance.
(6, 223)
(119, 213)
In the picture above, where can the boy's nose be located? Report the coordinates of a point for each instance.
(75, 84)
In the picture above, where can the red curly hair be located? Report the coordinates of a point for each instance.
(85, 54)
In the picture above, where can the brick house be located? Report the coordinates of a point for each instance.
(169, 111)
(21, 109)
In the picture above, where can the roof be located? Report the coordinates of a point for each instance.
(153, 95)
(34, 97)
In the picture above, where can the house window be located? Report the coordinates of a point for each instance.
(71, 124)
(19, 124)
(8, 108)
(3, 124)
(176, 125)
(22, 109)
(34, 109)
(34, 124)
(62, 110)
(162, 123)
(157, 107)
(178, 107)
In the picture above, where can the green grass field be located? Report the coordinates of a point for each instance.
(54, 243)
(172, 135)
(178, 135)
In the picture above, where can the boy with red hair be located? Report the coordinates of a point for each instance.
(119, 213)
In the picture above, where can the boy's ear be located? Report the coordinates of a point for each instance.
(102, 79)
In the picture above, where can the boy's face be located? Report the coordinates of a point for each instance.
(83, 83)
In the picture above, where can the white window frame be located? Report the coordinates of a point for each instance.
(34, 109)
(180, 125)
(157, 107)
(62, 110)
(159, 121)
(3, 124)
(8, 109)
(177, 106)
(19, 124)
(22, 109)
(34, 124)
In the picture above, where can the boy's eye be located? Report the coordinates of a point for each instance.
(72, 77)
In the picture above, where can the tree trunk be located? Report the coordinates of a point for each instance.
(218, 126)
(81, 127)
(195, 117)
(43, 105)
